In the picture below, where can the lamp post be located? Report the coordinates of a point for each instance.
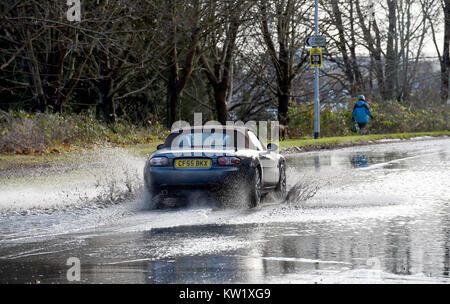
(316, 83)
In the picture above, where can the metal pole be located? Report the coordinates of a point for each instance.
(316, 84)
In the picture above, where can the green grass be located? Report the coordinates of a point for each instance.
(347, 140)
(23, 160)
(12, 160)
(144, 149)
(8, 160)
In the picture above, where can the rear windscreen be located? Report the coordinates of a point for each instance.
(207, 139)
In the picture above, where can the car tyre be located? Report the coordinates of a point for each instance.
(280, 190)
(255, 188)
(152, 199)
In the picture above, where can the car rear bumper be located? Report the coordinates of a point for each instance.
(164, 178)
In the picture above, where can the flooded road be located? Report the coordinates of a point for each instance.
(381, 215)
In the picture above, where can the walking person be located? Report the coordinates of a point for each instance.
(361, 113)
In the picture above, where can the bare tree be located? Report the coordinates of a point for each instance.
(105, 53)
(182, 20)
(218, 58)
(36, 37)
(445, 58)
(345, 41)
(287, 17)
(433, 16)
(391, 56)
(373, 44)
(233, 59)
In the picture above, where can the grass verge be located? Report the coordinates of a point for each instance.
(308, 144)
(22, 160)
(11, 161)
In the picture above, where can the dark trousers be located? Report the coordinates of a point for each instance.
(362, 126)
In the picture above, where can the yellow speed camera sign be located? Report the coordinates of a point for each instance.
(315, 57)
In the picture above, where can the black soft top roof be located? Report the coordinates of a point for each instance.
(211, 127)
(217, 128)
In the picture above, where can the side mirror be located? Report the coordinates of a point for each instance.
(272, 147)
(159, 147)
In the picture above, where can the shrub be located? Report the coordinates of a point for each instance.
(390, 117)
(23, 132)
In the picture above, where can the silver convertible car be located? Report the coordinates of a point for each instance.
(230, 162)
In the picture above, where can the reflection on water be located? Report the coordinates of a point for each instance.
(360, 160)
(404, 246)
(346, 160)
(402, 249)
(317, 161)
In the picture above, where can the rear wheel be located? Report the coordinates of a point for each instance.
(280, 190)
(255, 188)
(152, 199)
(234, 192)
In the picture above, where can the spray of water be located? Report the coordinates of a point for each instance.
(91, 179)
(304, 188)
(301, 192)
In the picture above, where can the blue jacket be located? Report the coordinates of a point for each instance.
(361, 112)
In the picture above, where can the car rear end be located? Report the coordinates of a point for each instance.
(198, 159)
(168, 173)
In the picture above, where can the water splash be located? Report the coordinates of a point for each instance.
(301, 192)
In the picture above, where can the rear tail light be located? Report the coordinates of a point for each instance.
(159, 161)
(228, 161)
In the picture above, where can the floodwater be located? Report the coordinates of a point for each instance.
(381, 215)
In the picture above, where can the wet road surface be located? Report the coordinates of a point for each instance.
(381, 215)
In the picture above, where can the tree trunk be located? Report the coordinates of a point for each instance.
(341, 45)
(284, 94)
(379, 72)
(53, 66)
(106, 109)
(281, 59)
(220, 76)
(283, 106)
(390, 65)
(374, 47)
(172, 89)
(445, 64)
(105, 106)
(360, 86)
(177, 80)
(33, 66)
(220, 94)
